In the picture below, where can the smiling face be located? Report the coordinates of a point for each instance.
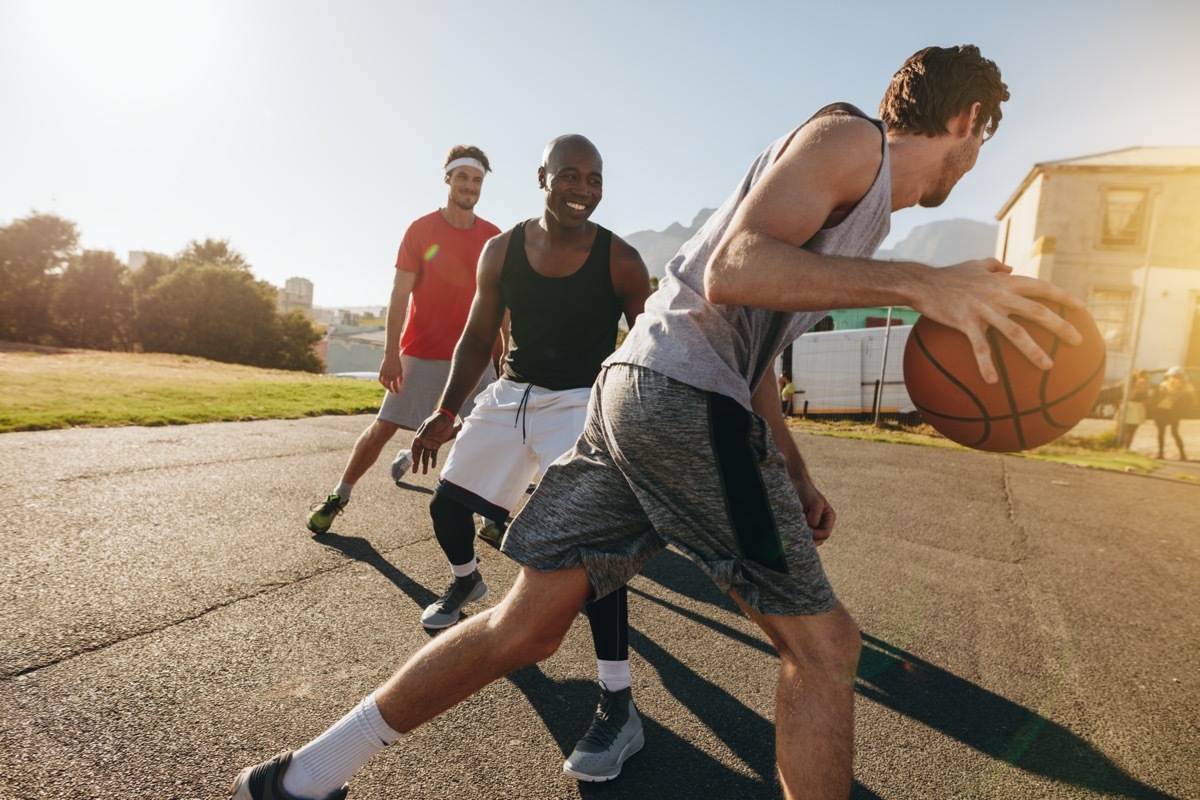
(573, 180)
(465, 184)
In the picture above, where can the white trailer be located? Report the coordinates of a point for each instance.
(837, 373)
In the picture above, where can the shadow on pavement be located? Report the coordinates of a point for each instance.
(360, 549)
(989, 723)
(670, 768)
(896, 679)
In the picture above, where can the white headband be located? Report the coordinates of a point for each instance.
(465, 162)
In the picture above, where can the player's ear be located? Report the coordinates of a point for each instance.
(541, 177)
(962, 124)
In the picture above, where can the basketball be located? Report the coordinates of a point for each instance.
(1027, 407)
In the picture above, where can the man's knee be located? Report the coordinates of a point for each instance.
(540, 609)
(824, 645)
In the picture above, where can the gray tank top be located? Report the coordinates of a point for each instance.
(728, 349)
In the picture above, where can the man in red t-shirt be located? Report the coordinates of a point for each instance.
(431, 297)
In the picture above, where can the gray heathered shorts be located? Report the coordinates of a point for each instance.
(421, 390)
(661, 463)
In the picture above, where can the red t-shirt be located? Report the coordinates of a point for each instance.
(444, 259)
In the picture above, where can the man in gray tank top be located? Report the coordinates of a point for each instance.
(693, 384)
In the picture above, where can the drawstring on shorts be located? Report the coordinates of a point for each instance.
(523, 407)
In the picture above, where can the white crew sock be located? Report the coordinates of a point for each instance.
(326, 763)
(463, 570)
(343, 491)
(614, 675)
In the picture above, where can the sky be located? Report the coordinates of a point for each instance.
(310, 134)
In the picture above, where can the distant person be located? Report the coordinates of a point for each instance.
(1169, 403)
(786, 394)
(1134, 412)
(693, 385)
(431, 296)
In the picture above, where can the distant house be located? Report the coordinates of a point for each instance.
(1121, 231)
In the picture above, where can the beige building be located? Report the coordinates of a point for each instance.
(297, 293)
(1121, 231)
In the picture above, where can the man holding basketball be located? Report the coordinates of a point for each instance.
(693, 384)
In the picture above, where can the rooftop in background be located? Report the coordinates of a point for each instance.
(1130, 158)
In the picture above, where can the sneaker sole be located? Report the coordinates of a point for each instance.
(316, 529)
(630, 750)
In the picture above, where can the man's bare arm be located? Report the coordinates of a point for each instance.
(630, 279)
(822, 173)
(817, 510)
(390, 373)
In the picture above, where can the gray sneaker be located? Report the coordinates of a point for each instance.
(401, 465)
(265, 782)
(448, 608)
(615, 735)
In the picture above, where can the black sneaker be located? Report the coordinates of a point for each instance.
(448, 608)
(265, 782)
(615, 735)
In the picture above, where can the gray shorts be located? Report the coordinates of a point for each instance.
(421, 390)
(661, 463)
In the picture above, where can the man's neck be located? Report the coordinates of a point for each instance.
(457, 217)
(910, 158)
(557, 233)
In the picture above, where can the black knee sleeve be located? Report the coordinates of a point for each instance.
(454, 525)
(609, 620)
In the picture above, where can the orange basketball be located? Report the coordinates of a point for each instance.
(1027, 407)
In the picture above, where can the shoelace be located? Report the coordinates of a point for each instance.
(523, 407)
(457, 593)
(329, 506)
(604, 729)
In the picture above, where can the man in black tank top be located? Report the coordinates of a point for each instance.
(564, 283)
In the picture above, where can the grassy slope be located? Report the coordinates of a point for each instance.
(47, 390)
(43, 389)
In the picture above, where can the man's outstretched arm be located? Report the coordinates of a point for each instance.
(822, 174)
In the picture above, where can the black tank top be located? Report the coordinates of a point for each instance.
(561, 328)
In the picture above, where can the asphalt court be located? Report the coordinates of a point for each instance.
(1030, 629)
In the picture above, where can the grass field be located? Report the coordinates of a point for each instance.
(44, 390)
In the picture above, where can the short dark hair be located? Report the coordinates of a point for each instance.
(938, 83)
(467, 151)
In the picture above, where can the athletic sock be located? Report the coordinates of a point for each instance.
(343, 491)
(326, 763)
(463, 570)
(615, 675)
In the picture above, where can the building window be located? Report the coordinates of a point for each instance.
(1113, 311)
(1124, 216)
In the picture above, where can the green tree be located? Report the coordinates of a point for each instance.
(212, 311)
(155, 267)
(33, 253)
(298, 337)
(212, 251)
(93, 302)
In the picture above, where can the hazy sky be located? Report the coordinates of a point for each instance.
(310, 134)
